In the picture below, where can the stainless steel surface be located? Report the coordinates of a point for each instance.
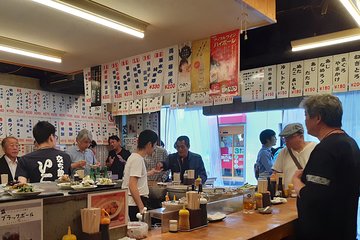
(226, 206)
(165, 217)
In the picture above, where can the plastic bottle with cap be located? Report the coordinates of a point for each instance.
(184, 219)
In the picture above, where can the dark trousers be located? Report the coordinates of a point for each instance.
(133, 210)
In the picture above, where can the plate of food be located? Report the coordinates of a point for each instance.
(64, 178)
(82, 187)
(105, 182)
(64, 186)
(25, 190)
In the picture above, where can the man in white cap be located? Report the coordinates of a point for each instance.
(296, 153)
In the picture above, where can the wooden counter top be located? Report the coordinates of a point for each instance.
(238, 226)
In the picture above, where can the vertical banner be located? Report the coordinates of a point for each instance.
(310, 76)
(61, 105)
(116, 86)
(96, 86)
(125, 73)
(171, 69)
(282, 80)
(69, 102)
(200, 65)
(28, 135)
(296, 78)
(10, 126)
(2, 128)
(2, 99)
(224, 63)
(37, 102)
(87, 85)
(45, 104)
(157, 72)
(325, 74)
(184, 81)
(10, 100)
(173, 100)
(54, 106)
(145, 73)
(252, 85)
(354, 71)
(22, 219)
(28, 102)
(136, 76)
(270, 82)
(340, 72)
(135, 106)
(105, 83)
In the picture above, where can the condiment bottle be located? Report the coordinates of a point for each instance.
(173, 226)
(280, 189)
(258, 200)
(291, 190)
(104, 225)
(167, 198)
(69, 236)
(198, 182)
(184, 219)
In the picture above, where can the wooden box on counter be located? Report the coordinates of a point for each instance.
(198, 217)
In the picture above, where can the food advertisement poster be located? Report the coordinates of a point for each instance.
(224, 63)
(114, 203)
(200, 66)
(21, 220)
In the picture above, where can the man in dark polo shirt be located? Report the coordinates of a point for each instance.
(117, 157)
(46, 163)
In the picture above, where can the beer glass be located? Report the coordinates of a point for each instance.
(249, 202)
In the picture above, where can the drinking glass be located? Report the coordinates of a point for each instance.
(249, 202)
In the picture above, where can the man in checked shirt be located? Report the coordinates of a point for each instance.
(159, 155)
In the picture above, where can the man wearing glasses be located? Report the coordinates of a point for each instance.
(8, 162)
(293, 135)
(184, 160)
(46, 163)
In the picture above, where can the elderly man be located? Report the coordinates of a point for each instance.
(81, 156)
(296, 153)
(117, 158)
(184, 160)
(46, 163)
(8, 162)
(328, 187)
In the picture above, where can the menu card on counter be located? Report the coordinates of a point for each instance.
(21, 220)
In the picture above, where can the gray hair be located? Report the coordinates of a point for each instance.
(84, 134)
(327, 106)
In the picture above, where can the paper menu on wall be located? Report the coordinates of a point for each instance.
(156, 80)
(19, 94)
(340, 72)
(251, 85)
(184, 67)
(97, 135)
(105, 83)
(28, 97)
(11, 125)
(181, 99)
(296, 78)
(10, 100)
(310, 77)
(152, 104)
(221, 100)
(63, 137)
(137, 77)
(200, 65)
(37, 99)
(61, 104)
(116, 85)
(152, 122)
(104, 133)
(27, 131)
(76, 107)
(2, 128)
(77, 127)
(145, 65)
(123, 108)
(270, 82)
(171, 69)
(282, 80)
(83, 108)
(87, 85)
(69, 102)
(224, 63)
(135, 106)
(54, 105)
(325, 74)
(46, 103)
(70, 135)
(354, 71)
(2, 99)
(173, 99)
(125, 75)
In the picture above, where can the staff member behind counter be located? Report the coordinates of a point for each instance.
(183, 160)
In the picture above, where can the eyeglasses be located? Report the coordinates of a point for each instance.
(55, 136)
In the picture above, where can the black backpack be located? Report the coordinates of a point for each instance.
(256, 170)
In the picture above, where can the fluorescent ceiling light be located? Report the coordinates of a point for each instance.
(326, 40)
(353, 7)
(100, 14)
(30, 50)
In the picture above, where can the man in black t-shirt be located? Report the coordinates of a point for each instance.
(117, 157)
(46, 163)
(328, 187)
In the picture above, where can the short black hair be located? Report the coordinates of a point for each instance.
(114, 137)
(42, 131)
(265, 135)
(183, 138)
(93, 144)
(145, 137)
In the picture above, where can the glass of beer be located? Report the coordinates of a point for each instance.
(249, 202)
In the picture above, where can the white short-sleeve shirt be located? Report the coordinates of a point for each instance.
(285, 164)
(135, 167)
